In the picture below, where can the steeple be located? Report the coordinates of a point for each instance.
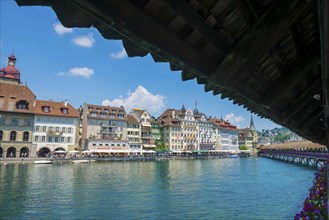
(196, 111)
(252, 126)
(183, 108)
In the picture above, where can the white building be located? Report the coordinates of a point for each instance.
(55, 127)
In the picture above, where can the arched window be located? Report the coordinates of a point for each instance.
(26, 136)
(13, 136)
(1, 135)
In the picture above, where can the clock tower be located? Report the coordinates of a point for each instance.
(10, 74)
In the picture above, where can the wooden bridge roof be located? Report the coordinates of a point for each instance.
(271, 56)
(292, 145)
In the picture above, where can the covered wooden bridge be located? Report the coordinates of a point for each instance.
(299, 152)
(271, 56)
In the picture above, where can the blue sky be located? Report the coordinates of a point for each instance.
(80, 66)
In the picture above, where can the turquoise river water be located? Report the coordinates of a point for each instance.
(246, 188)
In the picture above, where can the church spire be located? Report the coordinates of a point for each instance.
(252, 126)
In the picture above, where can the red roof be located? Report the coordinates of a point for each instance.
(10, 72)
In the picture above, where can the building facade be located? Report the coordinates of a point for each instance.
(16, 114)
(134, 133)
(171, 130)
(56, 127)
(103, 124)
(228, 134)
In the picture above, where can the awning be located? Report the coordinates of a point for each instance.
(60, 151)
(149, 146)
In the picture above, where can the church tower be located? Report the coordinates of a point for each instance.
(253, 131)
(10, 74)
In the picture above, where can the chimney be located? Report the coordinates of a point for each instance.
(65, 103)
(173, 114)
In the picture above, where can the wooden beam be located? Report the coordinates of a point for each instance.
(135, 25)
(247, 11)
(258, 41)
(324, 24)
(198, 23)
(296, 105)
(298, 71)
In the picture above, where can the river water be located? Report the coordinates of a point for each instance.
(245, 188)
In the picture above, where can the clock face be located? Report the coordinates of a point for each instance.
(11, 63)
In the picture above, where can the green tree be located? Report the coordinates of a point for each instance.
(243, 147)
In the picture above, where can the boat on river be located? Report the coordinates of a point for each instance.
(234, 156)
(43, 162)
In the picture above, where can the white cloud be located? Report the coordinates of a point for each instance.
(234, 119)
(84, 41)
(78, 71)
(140, 98)
(60, 29)
(120, 54)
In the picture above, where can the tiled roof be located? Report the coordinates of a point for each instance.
(222, 124)
(55, 109)
(10, 94)
(132, 119)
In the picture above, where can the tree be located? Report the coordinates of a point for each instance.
(243, 147)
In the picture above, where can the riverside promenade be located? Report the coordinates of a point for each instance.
(106, 158)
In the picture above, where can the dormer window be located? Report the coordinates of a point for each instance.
(46, 109)
(65, 111)
(22, 104)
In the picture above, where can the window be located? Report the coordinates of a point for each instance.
(69, 139)
(112, 115)
(63, 129)
(26, 136)
(14, 121)
(36, 138)
(37, 128)
(69, 130)
(1, 135)
(22, 104)
(27, 122)
(46, 109)
(13, 136)
(50, 139)
(94, 114)
(44, 128)
(56, 139)
(65, 111)
(2, 120)
(57, 129)
(43, 138)
(62, 139)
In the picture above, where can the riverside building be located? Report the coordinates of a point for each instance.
(16, 114)
(134, 133)
(144, 118)
(171, 130)
(104, 128)
(56, 127)
(228, 134)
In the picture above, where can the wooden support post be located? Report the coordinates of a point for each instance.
(323, 8)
